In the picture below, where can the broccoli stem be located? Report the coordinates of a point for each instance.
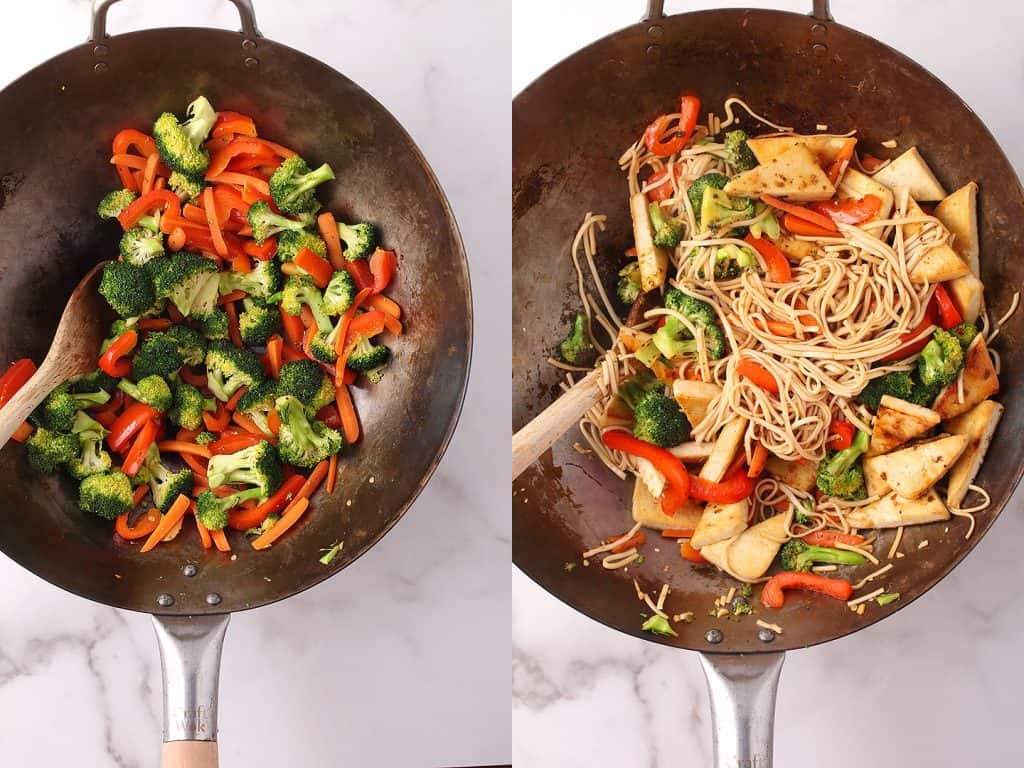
(845, 458)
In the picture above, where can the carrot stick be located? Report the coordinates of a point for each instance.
(242, 179)
(274, 421)
(233, 333)
(801, 212)
(293, 327)
(759, 375)
(127, 180)
(687, 552)
(220, 540)
(332, 472)
(197, 466)
(347, 412)
(167, 522)
(328, 227)
(135, 162)
(385, 305)
(831, 538)
(204, 533)
(176, 446)
(227, 298)
(24, 432)
(247, 424)
(232, 402)
(144, 527)
(677, 533)
(319, 269)
(274, 349)
(799, 226)
(140, 494)
(149, 172)
(241, 263)
(288, 519)
(212, 221)
(290, 268)
(758, 460)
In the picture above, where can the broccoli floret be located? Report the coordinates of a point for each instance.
(667, 230)
(205, 438)
(965, 334)
(740, 156)
(299, 290)
(256, 465)
(46, 449)
(181, 144)
(731, 261)
(166, 485)
(326, 394)
(629, 286)
(190, 281)
(117, 329)
(660, 420)
(188, 406)
(257, 402)
(940, 360)
(151, 390)
(841, 474)
(158, 356)
(290, 243)
(190, 342)
(301, 442)
(91, 382)
(637, 387)
(265, 223)
(797, 555)
(696, 190)
(127, 288)
(717, 209)
(923, 395)
(187, 188)
(106, 494)
(258, 323)
(268, 522)
(229, 368)
(215, 325)
(657, 624)
(674, 339)
(359, 239)
(114, 202)
(301, 379)
(139, 246)
(366, 356)
(897, 384)
(323, 345)
(213, 511)
(293, 185)
(339, 293)
(263, 280)
(93, 458)
(57, 411)
(576, 348)
(697, 311)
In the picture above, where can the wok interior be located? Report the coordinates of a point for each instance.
(54, 151)
(569, 128)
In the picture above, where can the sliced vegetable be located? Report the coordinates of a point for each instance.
(772, 595)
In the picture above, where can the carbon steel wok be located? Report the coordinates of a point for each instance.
(569, 127)
(50, 236)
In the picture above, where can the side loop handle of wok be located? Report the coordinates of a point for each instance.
(190, 650)
(656, 10)
(742, 689)
(101, 7)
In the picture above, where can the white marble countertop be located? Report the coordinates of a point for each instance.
(402, 660)
(937, 684)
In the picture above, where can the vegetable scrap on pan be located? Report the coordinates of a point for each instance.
(796, 355)
(245, 314)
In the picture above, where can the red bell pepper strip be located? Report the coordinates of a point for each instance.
(134, 458)
(841, 435)
(849, 210)
(772, 595)
(655, 136)
(687, 552)
(241, 146)
(317, 268)
(234, 443)
(129, 137)
(14, 378)
(264, 252)
(145, 205)
(801, 212)
(870, 163)
(233, 123)
(843, 158)
(329, 416)
(778, 269)
(666, 190)
(382, 267)
(949, 315)
(831, 538)
(218, 420)
(678, 489)
(799, 226)
(908, 346)
(125, 426)
(759, 375)
(114, 361)
(293, 328)
(360, 272)
(735, 487)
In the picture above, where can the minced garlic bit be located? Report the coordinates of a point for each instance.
(821, 127)
(773, 627)
(864, 598)
(581, 450)
(890, 143)
(923, 544)
(685, 616)
(860, 609)
(900, 555)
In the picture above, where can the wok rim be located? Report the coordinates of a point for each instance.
(992, 512)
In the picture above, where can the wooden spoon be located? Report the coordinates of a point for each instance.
(551, 423)
(74, 350)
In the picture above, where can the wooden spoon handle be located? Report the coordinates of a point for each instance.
(551, 423)
(25, 400)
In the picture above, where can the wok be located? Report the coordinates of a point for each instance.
(50, 236)
(569, 127)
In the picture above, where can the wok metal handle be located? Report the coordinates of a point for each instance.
(190, 649)
(101, 7)
(742, 690)
(656, 10)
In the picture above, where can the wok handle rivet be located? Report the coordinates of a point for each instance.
(251, 63)
(655, 30)
(765, 635)
(100, 67)
(714, 636)
(819, 49)
(190, 570)
(165, 600)
(654, 51)
(213, 599)
(100, 50)
(819, 30)
(248, 45)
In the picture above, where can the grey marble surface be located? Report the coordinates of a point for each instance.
(402, 660)
(935, 685)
